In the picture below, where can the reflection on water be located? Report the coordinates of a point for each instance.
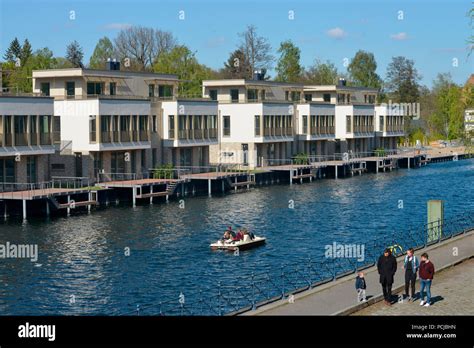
(82, 267)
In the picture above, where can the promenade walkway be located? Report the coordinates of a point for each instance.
(452, 293)
(339, 297)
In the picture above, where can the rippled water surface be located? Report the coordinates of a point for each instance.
(83, 255)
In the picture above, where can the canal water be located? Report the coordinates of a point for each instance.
(83, 268)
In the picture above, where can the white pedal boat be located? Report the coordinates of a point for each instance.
(239, 245)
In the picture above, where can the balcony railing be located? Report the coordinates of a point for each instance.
(45, 139)
(279, 131)
(322, 130)
(144, 136)
(125, 136)
(21, 139)
(105, 137)
(33, 138)
(134, 135)
(199, 134)
(171, 133)
(363, 129)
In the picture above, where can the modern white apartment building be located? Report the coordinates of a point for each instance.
(389, 126)
(26, 139)
(189, 129)
(354, 114)
(109, 119)
(316, 130)
(256, 120)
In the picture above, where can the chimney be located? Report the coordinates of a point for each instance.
(112, 64)
(259, 75)
(341, 82)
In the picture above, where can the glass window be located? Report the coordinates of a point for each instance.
(257, 125)
(113, 88)
(252, 94)
(348, 124)
(31, 169)
(95, 88)
(45, 88)
(151, 90)
(154, 125)
(70, 88)
(226, 121)
(327, 97)
(308, 97)
(165, 91)
(213, 94)
(305, 124)
(234, 95)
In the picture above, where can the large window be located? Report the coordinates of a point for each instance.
(327, 97)
(226, 124)
(213, 94)
(257, 125)
(45, 88)
(381, 118)
(92, 129)
(165, 91)
(113, 88)
(348, 124)
(151, 90)
(234, 95)
(20, 124)
(308, 97)
(305, 123)
(31, 169)
(70, 88)
(7, 170)
(96, 88)
(252, 94)
(171, 126)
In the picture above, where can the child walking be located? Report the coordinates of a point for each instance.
(360, 286)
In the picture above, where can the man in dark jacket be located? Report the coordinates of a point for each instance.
(387, 266)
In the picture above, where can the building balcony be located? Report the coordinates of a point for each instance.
(278, 131)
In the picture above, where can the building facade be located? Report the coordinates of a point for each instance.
(26, 139)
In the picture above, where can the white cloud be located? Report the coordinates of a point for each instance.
(336, 33)
(117, 26)
(399, 37)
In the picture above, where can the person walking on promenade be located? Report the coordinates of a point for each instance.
(361, 285)
(410, 265)
(427, 271)
(387, 266)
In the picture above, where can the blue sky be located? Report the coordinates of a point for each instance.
(432, 32)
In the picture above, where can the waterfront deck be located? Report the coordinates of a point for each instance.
(40, 193)
(137, 182)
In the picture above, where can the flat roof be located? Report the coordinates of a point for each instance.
(245, 82)
(323, 88)
(81, 72)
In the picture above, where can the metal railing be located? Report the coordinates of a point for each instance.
(248, 292)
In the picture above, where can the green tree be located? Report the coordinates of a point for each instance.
(13, 52)
(26, 52)
(288, 67)
(362, 70)
(402, 80)
(102, 51)
(321, 73)
(257, 50)
(74, 54)
(182, 62)
(237, 66)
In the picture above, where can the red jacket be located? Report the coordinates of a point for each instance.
(426, 270)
